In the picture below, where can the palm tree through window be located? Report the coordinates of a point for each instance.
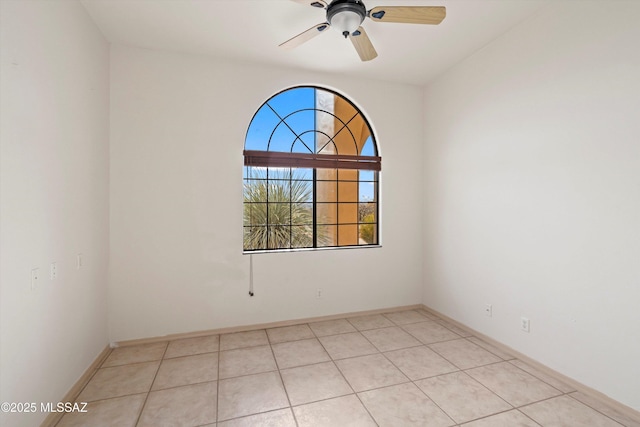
(311, 169)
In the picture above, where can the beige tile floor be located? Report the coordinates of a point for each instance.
(405, 368)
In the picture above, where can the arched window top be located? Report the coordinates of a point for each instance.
(310, 124)
(311, 174)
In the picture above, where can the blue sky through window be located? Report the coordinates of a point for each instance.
(296, 108)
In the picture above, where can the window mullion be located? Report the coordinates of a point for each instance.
(290, 208)
(315, 209)
(337, 242)
(315, 174)
(267, 209)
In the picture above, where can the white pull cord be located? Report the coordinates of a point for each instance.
(250, 275)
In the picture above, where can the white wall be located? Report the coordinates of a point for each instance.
(532, 192)
(178, 124)
(54, 189)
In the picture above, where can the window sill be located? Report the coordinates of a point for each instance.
(330, 248)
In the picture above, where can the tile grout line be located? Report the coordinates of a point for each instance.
(568, 394)
(411, 381)
(333, 361)
(498, 413)
(146, 399)
(563, 393)
(286, 393)
(382, 354)
(422, 391)
(218, 378)
(537, 377)
(293, 414)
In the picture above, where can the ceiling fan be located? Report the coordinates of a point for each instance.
(346, 16)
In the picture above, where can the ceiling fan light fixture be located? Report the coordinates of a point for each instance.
(346, 15)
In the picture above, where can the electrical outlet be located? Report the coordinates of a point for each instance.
(79, 262)
(524, 324)
(319, 293)
(35, 273)
(488, 310)
(53, 271)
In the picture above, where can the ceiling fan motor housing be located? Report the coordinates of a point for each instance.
(346, 15)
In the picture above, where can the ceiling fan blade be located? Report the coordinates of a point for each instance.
(363, 45)
(315, 3)
(304, 36)
(409, 14)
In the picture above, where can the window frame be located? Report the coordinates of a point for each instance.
(274, 160)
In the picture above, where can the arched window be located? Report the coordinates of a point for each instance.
(311, 171)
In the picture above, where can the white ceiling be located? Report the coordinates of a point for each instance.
(251, 30)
